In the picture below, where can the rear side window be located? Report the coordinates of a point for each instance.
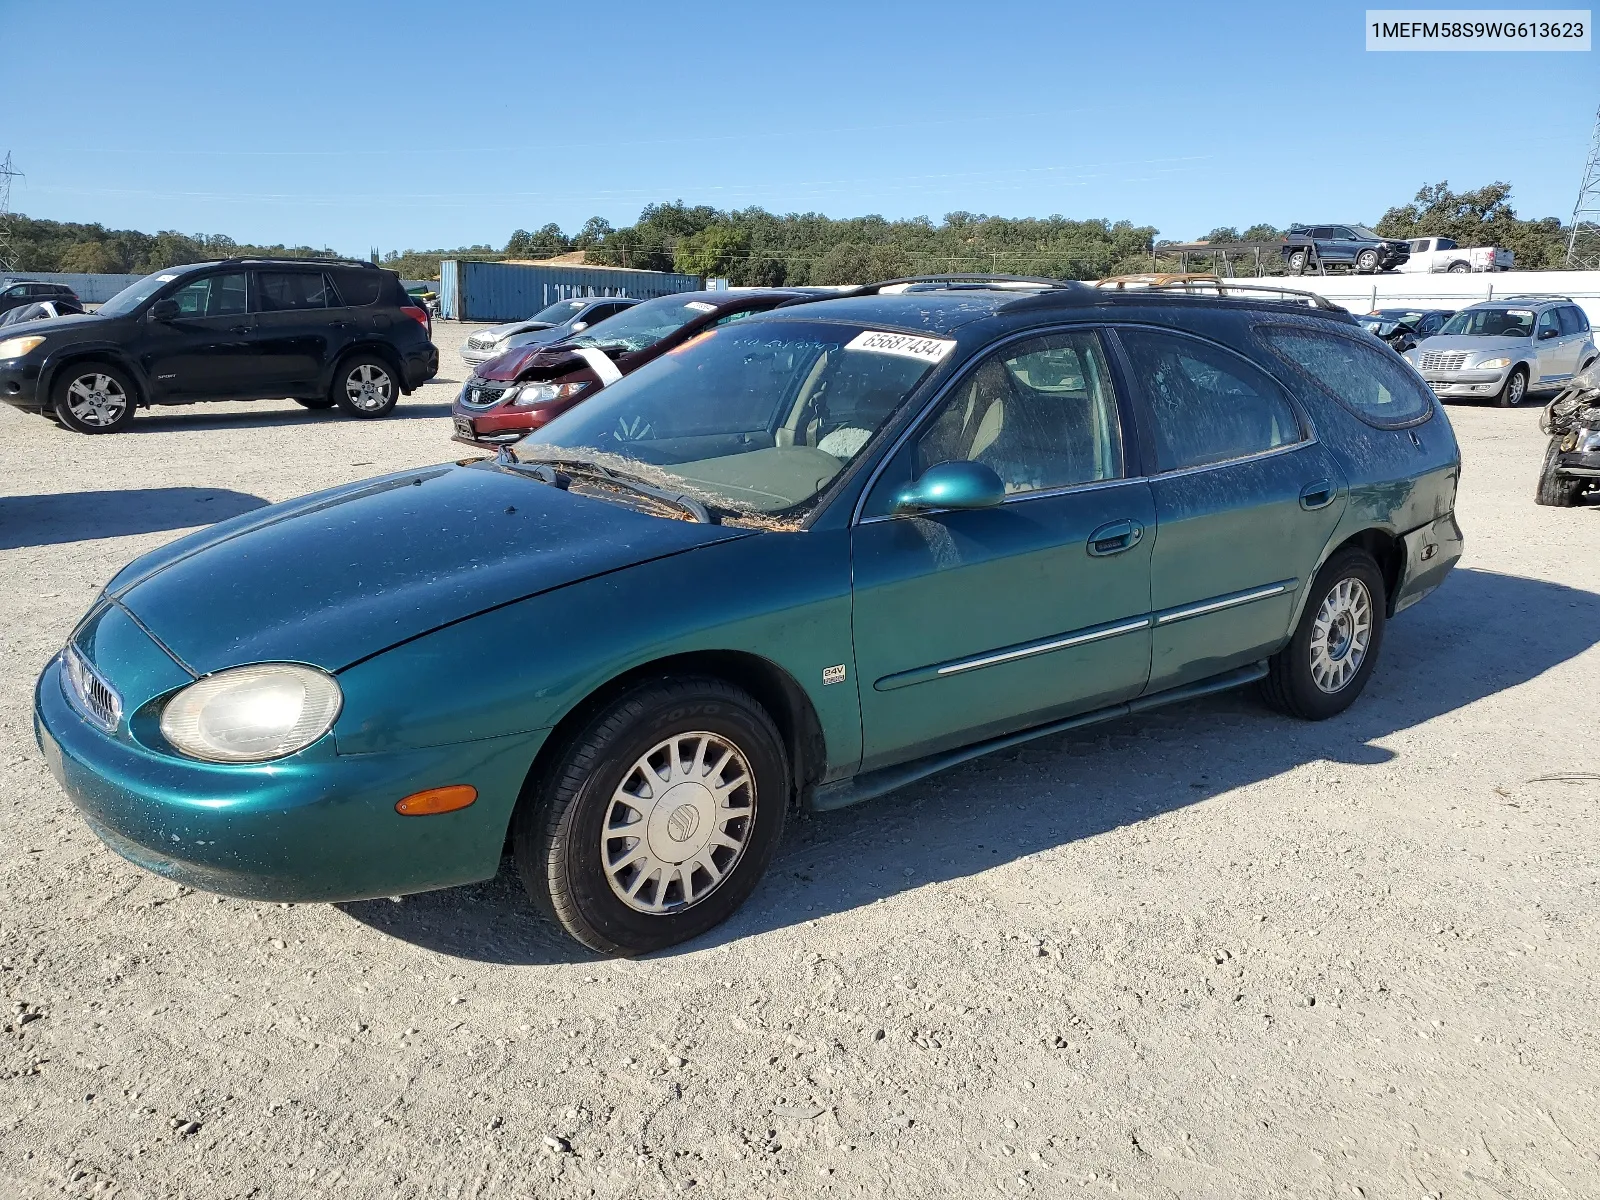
(357, 287)
(1209, 405)
(1572, 320)
(286, 291)
(1363, 378)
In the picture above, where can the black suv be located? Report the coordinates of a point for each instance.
(1317, 247)
(16, 292)
(319, 331)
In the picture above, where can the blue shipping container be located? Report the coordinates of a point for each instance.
(489, 291)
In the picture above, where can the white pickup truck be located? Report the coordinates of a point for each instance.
(1436, 255)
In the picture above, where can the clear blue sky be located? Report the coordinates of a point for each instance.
(356, 124)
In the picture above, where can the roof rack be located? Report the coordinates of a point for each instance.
(1201, 285)
(270, 258)
(1530, 297)
(1008, 282)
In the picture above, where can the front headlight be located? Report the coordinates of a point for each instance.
(252, 714)
(531, 395)
(1492, 364)
(1588, 440)
(18, 346)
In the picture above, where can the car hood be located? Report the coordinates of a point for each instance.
(534, 362)
(1476, 346)
(47, 325)
(336, 577)
(511, 327)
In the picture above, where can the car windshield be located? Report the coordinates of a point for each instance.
(643, 325)
(135, 294)
(565, 310)
(1490, 322)
(755, 417)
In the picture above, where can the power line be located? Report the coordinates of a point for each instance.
(1583, 246)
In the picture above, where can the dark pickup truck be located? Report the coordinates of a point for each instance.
(1317, 247)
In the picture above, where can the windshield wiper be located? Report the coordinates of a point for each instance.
(550, 470)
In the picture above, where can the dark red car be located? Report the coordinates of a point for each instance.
(523, 389)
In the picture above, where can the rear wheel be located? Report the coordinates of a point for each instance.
(1514, 389)
(1459, 268)
(364, 386)
(658, 818)
(94, 397)
(1329, 659)
(1297, 263)
(1556, 491)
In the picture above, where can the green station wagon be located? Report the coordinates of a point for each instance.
(804, 559)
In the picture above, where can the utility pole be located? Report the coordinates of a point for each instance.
(8, 261)
(1583, 246)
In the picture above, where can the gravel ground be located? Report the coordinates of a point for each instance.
(1208, 952)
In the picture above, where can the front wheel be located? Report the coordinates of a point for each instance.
(94, 397)
(1329, 659)
(364, 386)
(1514, 389)
(1367, 262)
(1554, 490)
(658, 818)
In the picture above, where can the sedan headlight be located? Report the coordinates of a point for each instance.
(252, 714)
(18, 346)
(1492, 364)
(531, 395)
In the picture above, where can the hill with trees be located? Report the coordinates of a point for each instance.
(753, 246)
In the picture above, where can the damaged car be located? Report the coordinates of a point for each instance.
(1571, 468)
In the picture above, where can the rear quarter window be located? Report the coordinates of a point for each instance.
(1364, 379)
(358, 288)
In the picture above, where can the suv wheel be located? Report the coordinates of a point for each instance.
(658, 819)
(1515, 388)
(364, 386)
(1297, 263)
(94, 397)
(1367, 262)
(1329, 659)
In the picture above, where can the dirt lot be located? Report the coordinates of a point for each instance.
(1210, 952)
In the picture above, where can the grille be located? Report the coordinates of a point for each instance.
(91, 695)
(477, 343)
(481, 395)
(1444, 362)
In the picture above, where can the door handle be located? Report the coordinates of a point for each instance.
(1115, 537)
(1316, 495)
(238, 329)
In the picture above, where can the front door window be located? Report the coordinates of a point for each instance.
(211, 296)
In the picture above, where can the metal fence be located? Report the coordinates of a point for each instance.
(491, 291)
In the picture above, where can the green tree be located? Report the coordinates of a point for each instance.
(1480, 217)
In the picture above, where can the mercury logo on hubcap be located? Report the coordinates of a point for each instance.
(683, 822)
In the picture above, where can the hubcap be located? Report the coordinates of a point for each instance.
(1340, 635)
(1514, 389)
(368, 387)
(678, 823)
(97, 399)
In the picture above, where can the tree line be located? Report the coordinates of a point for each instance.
(754, 247)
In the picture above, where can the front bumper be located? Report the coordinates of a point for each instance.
(497, 426)
(317, 826)
(474, 357)
(1579, 464)
(1466, 384)
(19, 384)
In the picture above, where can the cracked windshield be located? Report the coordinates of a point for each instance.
(758, 417)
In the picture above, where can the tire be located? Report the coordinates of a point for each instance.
(1367, 262)
(1315, 686)
(365, 386)
(1458, 268)
(1297, 263)
(318, 402)
(1514, 390)
(1554, 491)
(94, 397)
(557, 829)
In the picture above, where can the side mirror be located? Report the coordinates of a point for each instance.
(164, 310)
(1549, 333)
(956, 485)
(579, 326)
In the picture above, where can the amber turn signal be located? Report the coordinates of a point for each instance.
(437, 800)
